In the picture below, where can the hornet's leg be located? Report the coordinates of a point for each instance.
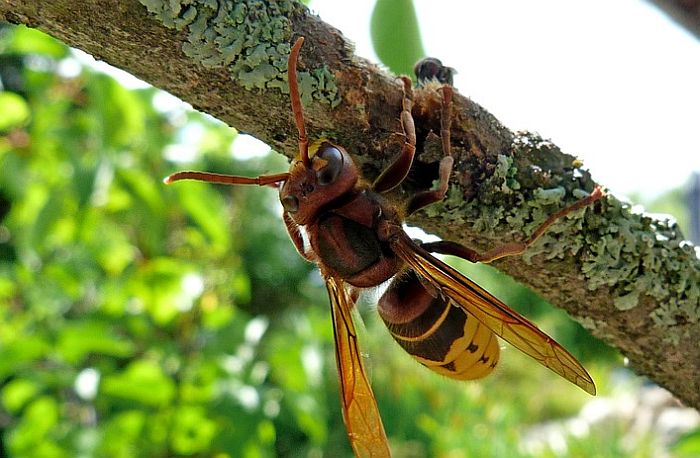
(297, 238)
(393, 175)
(426, 198)
(513, 248)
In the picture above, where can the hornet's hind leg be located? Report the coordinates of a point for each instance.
(513, 248)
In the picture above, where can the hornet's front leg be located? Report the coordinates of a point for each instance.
(297, 238)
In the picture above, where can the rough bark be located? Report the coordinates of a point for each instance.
(627, 277)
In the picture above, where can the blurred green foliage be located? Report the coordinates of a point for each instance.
(139, 320)
(688, 445)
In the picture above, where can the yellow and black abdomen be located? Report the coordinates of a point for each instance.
(442, 337)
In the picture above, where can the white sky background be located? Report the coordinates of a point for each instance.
(615, 83)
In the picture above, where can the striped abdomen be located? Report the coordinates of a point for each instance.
(444, 338)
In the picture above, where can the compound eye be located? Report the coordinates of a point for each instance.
(290, 203)
(329, 172)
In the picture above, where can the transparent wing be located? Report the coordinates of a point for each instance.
(501, 319)
(360, 411)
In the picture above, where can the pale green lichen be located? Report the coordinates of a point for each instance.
(250, 38)
(500, 202)
(631, 254)
(599, 327)
(627, 301)
(506, 174)
(636, 255)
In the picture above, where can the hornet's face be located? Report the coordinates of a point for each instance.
(330, 174)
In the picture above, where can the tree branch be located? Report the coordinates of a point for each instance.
(685, 12)
(627, 277)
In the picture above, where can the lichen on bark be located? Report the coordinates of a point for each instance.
(250, 38)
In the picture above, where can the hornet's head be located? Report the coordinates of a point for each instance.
(329, 174)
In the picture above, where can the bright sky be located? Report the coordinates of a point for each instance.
(616, 83)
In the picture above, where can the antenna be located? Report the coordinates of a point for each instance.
(264, 180)
(296, 101)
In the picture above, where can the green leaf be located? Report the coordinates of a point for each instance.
(78, 340)
(143, 382)
(38, 420)
(20, 353)
(7, 287)
(214, 314)
(117, 112)
(147, 208)
(396, 35)
(122, 432)
(204, 206)
(44, 230)
(24, 40)
(14, 111)
(192, 430)
(688, 445)
(111, 247)
(17, 393)
(159, 288)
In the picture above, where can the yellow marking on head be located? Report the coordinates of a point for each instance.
(316, 144)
